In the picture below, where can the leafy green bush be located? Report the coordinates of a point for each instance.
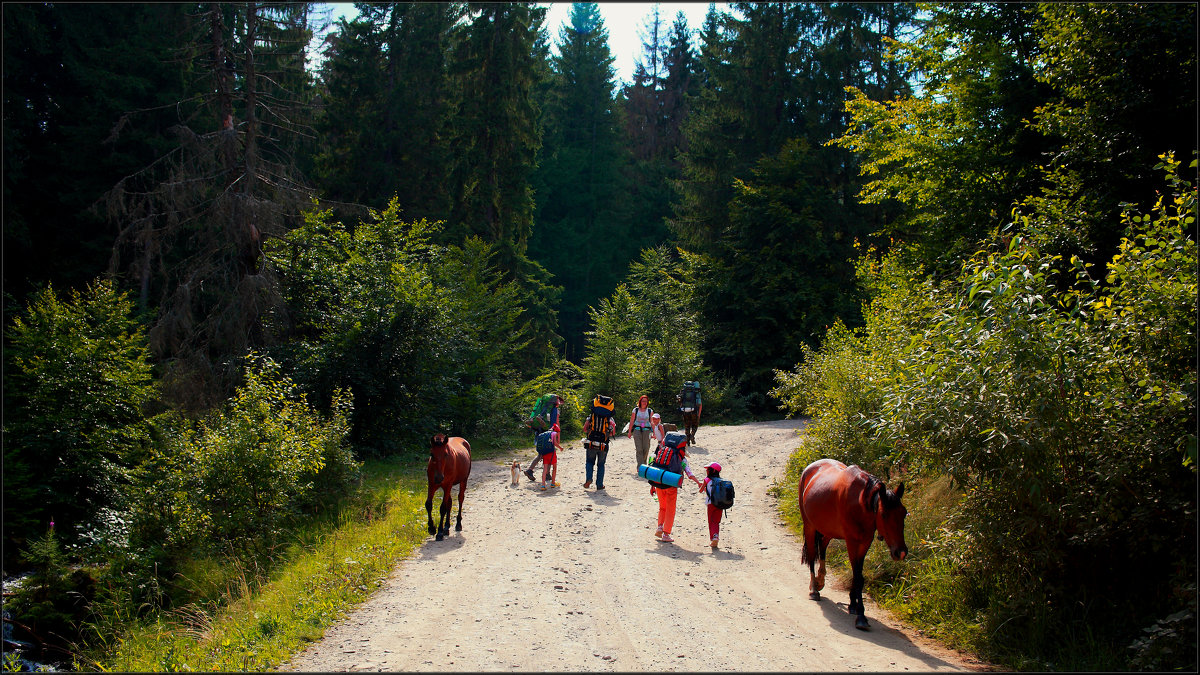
(77, 376)
(234, 480)
(842, 385)
(1064, 409)
(426, 338)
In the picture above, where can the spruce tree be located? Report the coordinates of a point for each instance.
(387, 109)
(497, 134)
(582, 236)
(71, 73)
(192, 223)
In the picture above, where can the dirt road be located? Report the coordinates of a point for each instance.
(572, 579)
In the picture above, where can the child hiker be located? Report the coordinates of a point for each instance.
(668, 496)
(714, 513)
(550, 459)
(657, 431)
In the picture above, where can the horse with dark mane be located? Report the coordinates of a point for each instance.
(449, 463)
(845, 502)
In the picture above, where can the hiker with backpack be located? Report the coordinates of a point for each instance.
(670, 456)
(690, 406)
(639, 428)
(598, 431)
(543, 418)
(547, 448)
(718, 495)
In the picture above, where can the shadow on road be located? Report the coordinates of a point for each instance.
(432, 549)
(840, 619)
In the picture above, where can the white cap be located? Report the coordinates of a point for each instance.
(656, 416)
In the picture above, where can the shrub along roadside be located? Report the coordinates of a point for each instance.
(326, 570)
(1064, 411)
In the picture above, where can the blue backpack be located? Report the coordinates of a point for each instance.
(722, 493)
(544, 445)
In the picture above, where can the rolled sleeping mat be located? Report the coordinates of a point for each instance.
(657, 475)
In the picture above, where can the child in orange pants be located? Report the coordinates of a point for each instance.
(666, 504)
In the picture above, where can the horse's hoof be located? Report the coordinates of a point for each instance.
(439, 536)
(861, 623)
(814, 595)
(432, 530)
(458, 528)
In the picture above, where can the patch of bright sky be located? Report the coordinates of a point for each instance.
(625, 22)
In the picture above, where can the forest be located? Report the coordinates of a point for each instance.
(251, 257)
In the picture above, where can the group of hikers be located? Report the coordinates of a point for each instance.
(670, 452)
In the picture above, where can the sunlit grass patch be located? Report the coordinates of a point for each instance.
(325, 572)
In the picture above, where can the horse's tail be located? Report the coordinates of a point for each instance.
(810, 555)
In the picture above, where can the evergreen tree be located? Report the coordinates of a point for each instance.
(192, 223)
(497, 135)
(582, 236)
(387, 106)
(680, 87)
(761, 193)
(71, 71)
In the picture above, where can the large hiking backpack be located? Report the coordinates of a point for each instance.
(539, 418)
(668, 457)
(689, 397)
(544, 445)
(602, 412)
(722, 493)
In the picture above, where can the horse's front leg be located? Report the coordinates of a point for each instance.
(429, 508)
(458, 524)
(858, 552)
(444, 516)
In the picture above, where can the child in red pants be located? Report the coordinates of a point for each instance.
(714, 513)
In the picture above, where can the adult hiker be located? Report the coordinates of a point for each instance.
(690, 406)
(598, 430)
(639, 429)
(544, 417)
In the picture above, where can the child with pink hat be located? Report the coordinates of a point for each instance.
(713, 470)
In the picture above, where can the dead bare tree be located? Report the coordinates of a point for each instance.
(191, 224)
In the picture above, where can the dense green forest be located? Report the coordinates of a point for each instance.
(960, 236)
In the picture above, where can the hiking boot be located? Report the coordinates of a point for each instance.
(556, 484)
(658, 534)
(713, 543)
(599, 487)
(542, 486)
(529, 474)
(587, 484)
(667, 538)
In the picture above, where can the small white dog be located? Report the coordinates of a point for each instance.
(516, 473)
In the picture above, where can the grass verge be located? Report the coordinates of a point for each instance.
(257, 624)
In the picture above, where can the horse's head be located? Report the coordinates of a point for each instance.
(889, 518)
(438, 451)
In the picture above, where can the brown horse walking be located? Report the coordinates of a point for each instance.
(845, 502)
(449, 463)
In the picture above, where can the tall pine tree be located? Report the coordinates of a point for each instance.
(192, 223)
(387, 109)
(582, 233)
(497, 137)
